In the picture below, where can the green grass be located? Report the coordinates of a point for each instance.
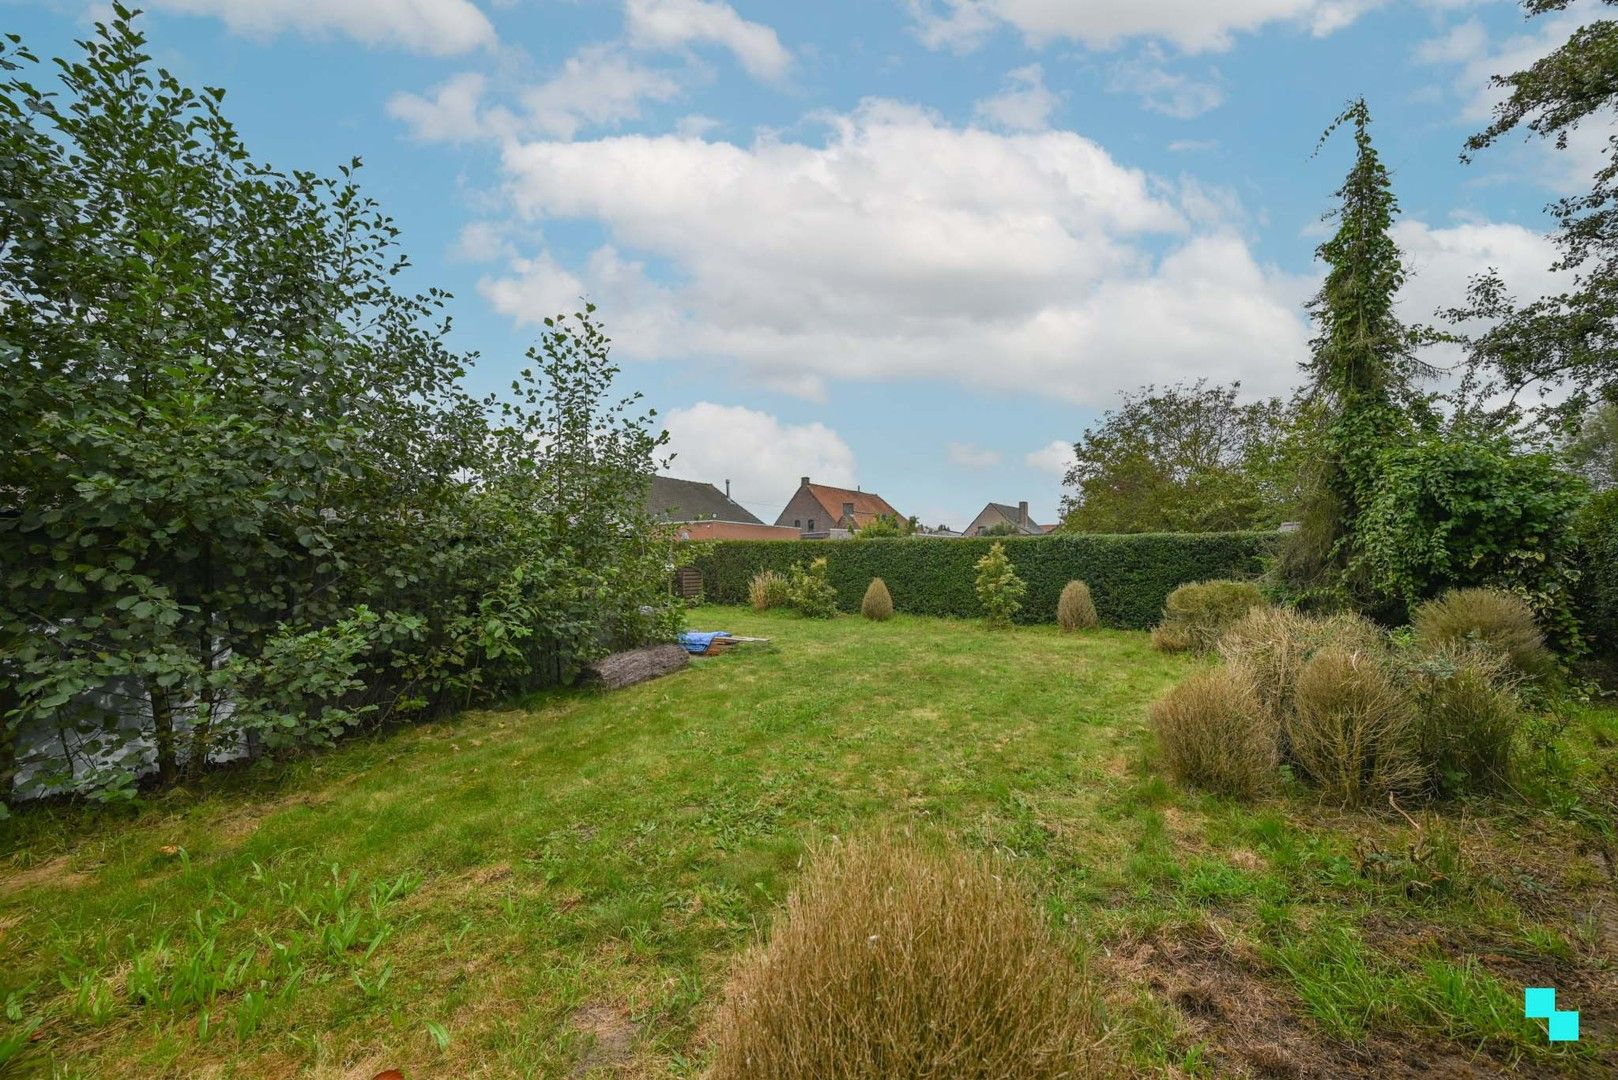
(556, 888)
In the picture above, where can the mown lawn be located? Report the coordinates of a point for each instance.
(556, 888)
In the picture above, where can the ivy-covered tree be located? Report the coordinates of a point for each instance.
(1562, 350)
(1363, 370)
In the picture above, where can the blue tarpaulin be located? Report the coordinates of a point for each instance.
(697, 641)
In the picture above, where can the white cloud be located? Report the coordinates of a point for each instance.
(598, 85)
(1440, 261)
(761, 456)
(1190, 25)
(1476, 57)
(670, 24)
(483, 241)
(440, 27)
(453, 112)
(1025, 104)
(970, 456)
(1055, 457)
(903, 248)
(1162, 90)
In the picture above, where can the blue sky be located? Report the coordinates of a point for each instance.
(912, 245)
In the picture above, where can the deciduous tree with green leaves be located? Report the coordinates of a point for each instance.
(245, 495)
(1559, 352)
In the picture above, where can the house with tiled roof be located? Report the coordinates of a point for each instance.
(820, 511)
(703, 512)
(1002, 519)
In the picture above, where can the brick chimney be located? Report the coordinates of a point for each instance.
(1022, 513)
(804, 482)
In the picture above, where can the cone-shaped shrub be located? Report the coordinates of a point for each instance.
(999, 589)
(892, 960)
(1075, 610)
(1214, 734)
(1500, 620)
(878, 603)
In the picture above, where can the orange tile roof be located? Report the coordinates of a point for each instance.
(868, 506)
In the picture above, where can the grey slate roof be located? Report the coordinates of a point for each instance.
(1027, 528)
(692, 500)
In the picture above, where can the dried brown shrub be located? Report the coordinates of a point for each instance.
(878, 602)
(1214, 733)
(1353, 728)
(894, 961)
(1500, 620)
(1075, 609)
(1273, 644)
(1199, 613)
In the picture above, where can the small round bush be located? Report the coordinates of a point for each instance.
(1213, 733)
(1352, 728)
(1498, 619)
(767, 590)
(1468, 714)
(892, 960)
(1075, 610)
(878, 602)
(1199, 613)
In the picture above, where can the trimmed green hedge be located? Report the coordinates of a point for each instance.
(1597, 531)
(1129, 575)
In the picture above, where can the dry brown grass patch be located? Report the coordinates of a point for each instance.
(893, 961)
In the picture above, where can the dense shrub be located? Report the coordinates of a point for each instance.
(1454, 511)
(893, 961)
(1494, 618)
(999, 589)
(812, 596)
(769, 589)
(248, 498)
(1468, 716)
(1596, 531)
(1075, 608)
(1129, 576)
(878, 603)
(1214, 734)
(1195, 615)
(1352, 728)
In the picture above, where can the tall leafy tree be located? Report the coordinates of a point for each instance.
(1561, 348)
(1185, 458)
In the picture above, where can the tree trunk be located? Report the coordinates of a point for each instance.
(8, 742)
(163, 734)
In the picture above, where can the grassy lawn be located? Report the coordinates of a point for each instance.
(556, 888)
